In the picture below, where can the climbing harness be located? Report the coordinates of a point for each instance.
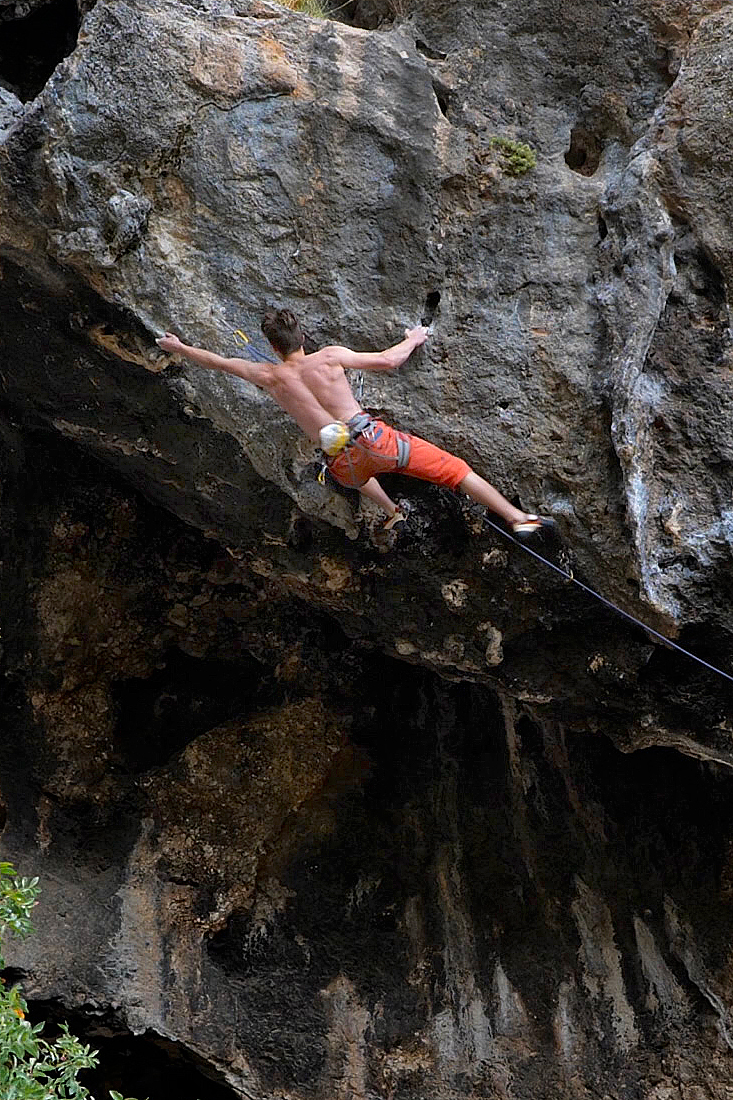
(570, 578)
(339, 435)
(359, 438)
(335, 437)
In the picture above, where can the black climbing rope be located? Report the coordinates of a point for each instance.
(609, 603)
(244, 340)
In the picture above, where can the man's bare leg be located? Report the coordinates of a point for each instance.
(374, 491)
(479, 490)
(472, 485)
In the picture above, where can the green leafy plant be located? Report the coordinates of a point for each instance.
(516, 156)
(17, 898)
(314, 8)
(31, 1066)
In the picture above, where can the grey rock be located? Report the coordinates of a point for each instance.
(317, 160)
(376, 879)
(317, 868)
(311, 161)
(10, 111)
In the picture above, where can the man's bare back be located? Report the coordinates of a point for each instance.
(314, 391)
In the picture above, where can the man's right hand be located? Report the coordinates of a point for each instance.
(169, 342)
(418, 335)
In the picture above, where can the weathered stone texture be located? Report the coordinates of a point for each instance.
(265, 827)
(308, 161)
(326, 872)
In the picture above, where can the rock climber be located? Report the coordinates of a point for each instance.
(314, 390)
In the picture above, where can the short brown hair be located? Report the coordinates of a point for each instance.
(281, 328)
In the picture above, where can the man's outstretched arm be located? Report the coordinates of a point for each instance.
(389, 359)
(242, 368)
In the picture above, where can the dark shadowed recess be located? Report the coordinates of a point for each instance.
(370, 15)
(160, 715)
(584, 153)
(440, 836)
(134, 1065)
(31, 48)
(432, 300)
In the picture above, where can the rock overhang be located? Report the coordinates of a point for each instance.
(313, 159)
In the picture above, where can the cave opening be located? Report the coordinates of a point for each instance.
(584, 153)
(159, 715)
(133, 1065)
(432, 301)
(443, 96)
(370, 15)
(32, 47)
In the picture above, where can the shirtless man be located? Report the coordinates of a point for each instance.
(314, 390)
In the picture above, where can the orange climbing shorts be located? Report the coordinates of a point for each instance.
(379, 449)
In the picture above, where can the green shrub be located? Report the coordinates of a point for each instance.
(516, 157)
(31, 1066)
(315, 8)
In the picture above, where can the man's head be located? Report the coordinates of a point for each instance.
(281, 328)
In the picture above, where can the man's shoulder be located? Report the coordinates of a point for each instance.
(330, 355)
(262, 374)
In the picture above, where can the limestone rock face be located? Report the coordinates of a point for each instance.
(10, 109)
(347, 814)
(322, 871)
(185, 165)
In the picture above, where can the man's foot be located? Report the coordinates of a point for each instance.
(524, 529)
(399, 517)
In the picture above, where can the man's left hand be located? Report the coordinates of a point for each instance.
(169, 342)
(419, 334)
